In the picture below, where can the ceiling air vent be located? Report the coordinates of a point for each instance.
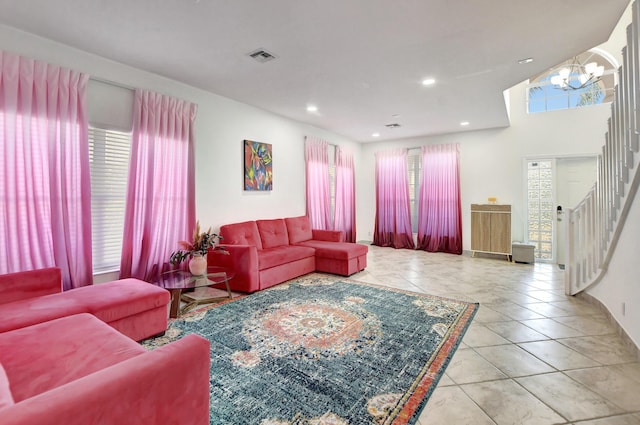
(394, 125)
(262, 56)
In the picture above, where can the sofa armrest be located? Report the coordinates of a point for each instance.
(328, 235)
(169, 385)
(30, 284)
(243, 260)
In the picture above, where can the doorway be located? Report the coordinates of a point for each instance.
(574, 179)
(552, 186)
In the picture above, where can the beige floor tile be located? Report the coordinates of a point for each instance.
(468, 366)
(518, 298)
(551, 328)
(605, 349)
(546, 296)
(514, 361)
(577, 307)
(613, 420)
(611, 384)
(485, 315)
(588, 325)
(630, 370)
(557, 355)
(547, 310)
(516, 332)
(450, 405)
(567, 397)
(515, 311)
(445, 381)
(479, 335)
(508, 403)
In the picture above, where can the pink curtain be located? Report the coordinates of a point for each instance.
(45, 217)
(161, 187)
(318, 192)
(393, 215)
(440, 214)
(345, 209)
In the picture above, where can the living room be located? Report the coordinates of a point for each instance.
(491, 159)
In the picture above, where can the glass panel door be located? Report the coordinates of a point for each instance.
(540, 212)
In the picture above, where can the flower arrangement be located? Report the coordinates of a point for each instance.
(202, 241)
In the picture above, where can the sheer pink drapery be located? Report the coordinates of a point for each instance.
(45, 192)
(161, 186)
(393, 212)
(345, 210)
(317, 181)
(440, 213)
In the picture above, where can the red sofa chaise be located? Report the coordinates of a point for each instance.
(264, 253)
(77, 370)
(135, 308)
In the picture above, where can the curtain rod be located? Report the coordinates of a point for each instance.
(112, 83)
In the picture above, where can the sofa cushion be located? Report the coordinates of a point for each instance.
(273, 233)
(47, 355)
(299, 229)
(6, 399)
(245, 233)
(282, 255)
(32, 311)
(336, 250)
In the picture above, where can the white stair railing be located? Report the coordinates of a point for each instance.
(595, 224)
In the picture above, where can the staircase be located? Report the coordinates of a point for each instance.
(594, 226)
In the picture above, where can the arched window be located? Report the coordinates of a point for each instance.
(586, 79)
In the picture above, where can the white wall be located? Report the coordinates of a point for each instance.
(220, 127)
(620, 283)
(491, 161)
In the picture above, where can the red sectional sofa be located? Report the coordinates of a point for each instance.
(77, 370)
(135, 308)
(264, 253)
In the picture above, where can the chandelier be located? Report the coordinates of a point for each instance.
(577, 76)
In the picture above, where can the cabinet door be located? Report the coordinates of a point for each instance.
(501, 233)
(480, 231)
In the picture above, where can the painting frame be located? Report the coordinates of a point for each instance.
(258, 166)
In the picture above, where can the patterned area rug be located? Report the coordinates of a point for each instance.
(321, 350)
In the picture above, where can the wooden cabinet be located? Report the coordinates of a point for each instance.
(491, 229)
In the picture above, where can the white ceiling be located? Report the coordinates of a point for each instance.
(359, 61)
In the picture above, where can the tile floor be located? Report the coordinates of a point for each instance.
(531, 356)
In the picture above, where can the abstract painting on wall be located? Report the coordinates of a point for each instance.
(258, 166)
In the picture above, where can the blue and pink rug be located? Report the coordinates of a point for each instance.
(322, 350)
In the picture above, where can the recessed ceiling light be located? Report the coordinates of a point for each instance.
(526, 60)
(428, 82)
(375, 135)
(464, 123)
(312, 108)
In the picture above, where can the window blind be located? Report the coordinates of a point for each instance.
(109, 162)
(414, 166)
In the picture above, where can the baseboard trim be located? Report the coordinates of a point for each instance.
(619, 330)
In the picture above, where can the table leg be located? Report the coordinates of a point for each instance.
(226, 282)
(175, 303)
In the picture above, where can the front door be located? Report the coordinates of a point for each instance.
(574, 179)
